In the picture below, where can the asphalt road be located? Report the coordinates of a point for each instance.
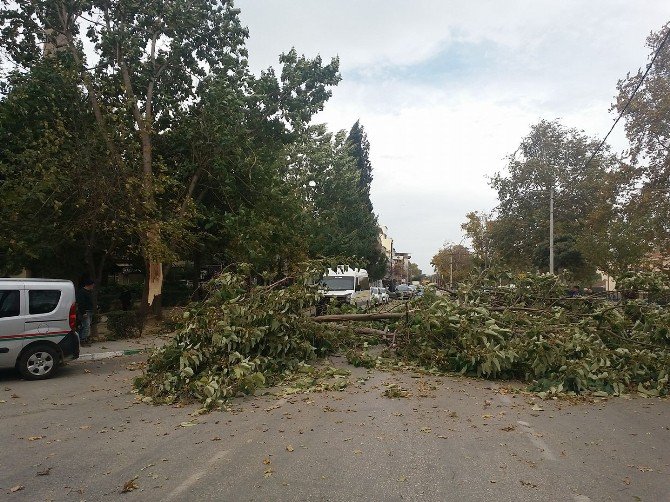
(84, 435)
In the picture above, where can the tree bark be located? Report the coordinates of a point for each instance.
(154, 288)
(368, 331)
(358, 317)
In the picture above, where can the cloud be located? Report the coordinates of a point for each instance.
(447, 89)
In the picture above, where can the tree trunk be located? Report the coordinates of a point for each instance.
(358, 317)
(153, 288)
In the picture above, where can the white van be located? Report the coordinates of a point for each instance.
(346, 284)
(37, 325)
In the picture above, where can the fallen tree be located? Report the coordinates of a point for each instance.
(244, 336)
(533, 333)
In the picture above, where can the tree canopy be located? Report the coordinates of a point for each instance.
(552, 158)
(136, 132)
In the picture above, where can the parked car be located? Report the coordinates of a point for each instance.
(384, 294)
(403, 292)
(378, 295)
(37, 326)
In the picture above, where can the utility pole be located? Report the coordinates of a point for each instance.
(451, 271)
(551, 229)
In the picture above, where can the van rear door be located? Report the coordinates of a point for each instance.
(46, 316)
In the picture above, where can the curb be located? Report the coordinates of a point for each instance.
(108, 355)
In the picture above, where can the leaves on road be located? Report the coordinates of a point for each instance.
(130, 485)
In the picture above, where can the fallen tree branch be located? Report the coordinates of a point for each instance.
(358, 317)
(365, 331)
(387, 335)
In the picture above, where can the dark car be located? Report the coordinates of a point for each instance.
(403, 292)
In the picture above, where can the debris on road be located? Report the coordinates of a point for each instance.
(243, 337)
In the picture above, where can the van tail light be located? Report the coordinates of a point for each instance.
(72, 318)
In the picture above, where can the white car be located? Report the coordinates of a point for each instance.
(384, 294)
(37, 326)
(378, 295)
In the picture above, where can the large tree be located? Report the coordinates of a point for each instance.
(342, 223)
(453, 263)
(140, 69)
(647, 124)
(477, 228)
(198, 139)
(234, 150)
(360, 150)
(63, 202)
(552, 158)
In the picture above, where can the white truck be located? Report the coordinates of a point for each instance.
(346, 284)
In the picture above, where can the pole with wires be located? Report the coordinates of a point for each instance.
(551, 229)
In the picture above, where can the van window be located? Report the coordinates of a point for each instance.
(43, 301)
(10, 303)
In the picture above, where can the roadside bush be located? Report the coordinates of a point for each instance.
(125, 323)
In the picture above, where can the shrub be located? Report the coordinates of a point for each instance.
(125, 323)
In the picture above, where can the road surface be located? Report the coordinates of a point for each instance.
(84, 436)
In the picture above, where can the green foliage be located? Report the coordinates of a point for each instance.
(453, 262)
(240, 338)
(552, 157)
(169, 148)
(360, 151)
(477, 228)
(647, 124)
(414, 271)
(62, 200)
(245, 336)
(359, 357)
(529, 330)
(643, 281)
(342, 223)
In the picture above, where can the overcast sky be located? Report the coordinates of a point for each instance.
(447, 89)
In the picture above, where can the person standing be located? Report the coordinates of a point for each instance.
(85, 310)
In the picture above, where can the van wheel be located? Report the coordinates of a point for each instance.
(38, 362)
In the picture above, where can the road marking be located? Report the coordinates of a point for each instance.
(107, 355)
(539, 444)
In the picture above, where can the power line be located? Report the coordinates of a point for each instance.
(630, 99)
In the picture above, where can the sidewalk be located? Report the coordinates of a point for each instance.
(115, 348)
